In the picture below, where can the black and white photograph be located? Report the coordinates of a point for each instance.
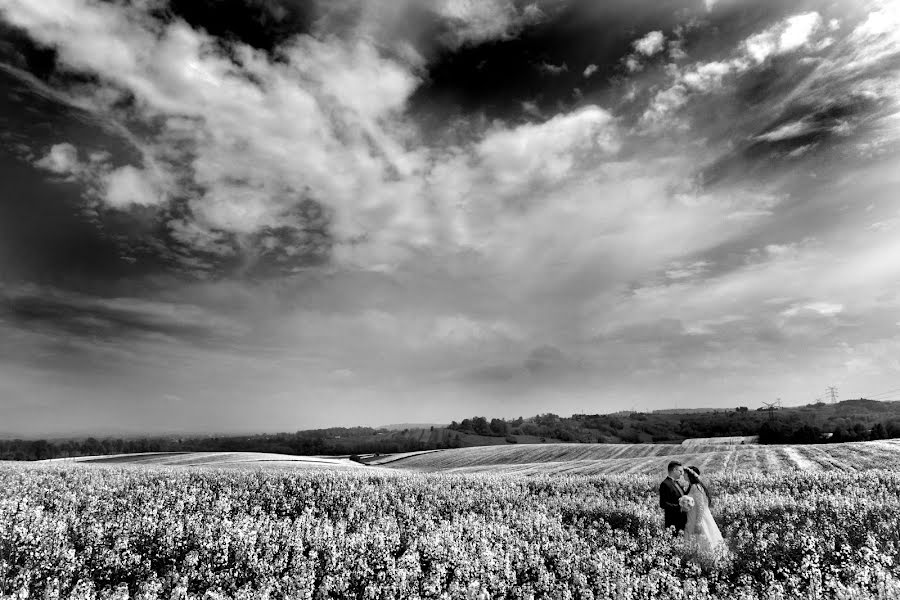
(449, 299)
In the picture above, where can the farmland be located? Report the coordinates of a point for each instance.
(594, 459)
(114, 531)
(537, 521)
(555, 459)
(212, 459)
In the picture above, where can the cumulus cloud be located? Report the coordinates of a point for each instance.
(650, 44)
(62, 159)
(791, 34)
(548, 151)
(230, 131)
(706, 77)
(475, 21)
(118, 188)
(128, 186)
(509, 236)
(664, 103)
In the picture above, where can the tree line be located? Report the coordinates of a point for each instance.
(325, 442)
(850, 420)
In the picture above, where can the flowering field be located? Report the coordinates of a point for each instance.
(88, 531)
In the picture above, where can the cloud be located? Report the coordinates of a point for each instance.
(821, 308)
(679, 270)
(664, 103)
(503, 251)
(530, 154)
(120, 318)
(794, 85)
(460, 329)
(128, 186)
(118, 188)
(633, 63)
(786, 131)
(706, 77)
(791, 34)
(551, 69)
(226, 124)
(62, 159)
(650, 44)
(476, 21)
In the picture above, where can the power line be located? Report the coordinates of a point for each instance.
(873, 396)
(831, 391)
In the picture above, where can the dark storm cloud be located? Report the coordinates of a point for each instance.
(57, 312)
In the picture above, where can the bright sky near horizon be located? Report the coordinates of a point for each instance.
(287, 214)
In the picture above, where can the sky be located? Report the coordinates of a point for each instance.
(273, 215)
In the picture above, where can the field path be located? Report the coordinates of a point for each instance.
(800, 461)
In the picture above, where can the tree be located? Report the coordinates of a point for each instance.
(480, 426)
(498, 427)
(807, 434)
(772, 432)
(40, 450)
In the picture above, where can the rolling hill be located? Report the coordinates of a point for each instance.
(553, 459)
(589, 459)
(213, 459)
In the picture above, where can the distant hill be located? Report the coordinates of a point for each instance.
(402, 426)
(687, 411)
(850, 420)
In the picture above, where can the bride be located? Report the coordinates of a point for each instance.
(701, 530)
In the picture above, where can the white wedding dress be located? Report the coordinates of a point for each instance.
(701, 530)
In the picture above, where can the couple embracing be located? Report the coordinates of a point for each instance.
(686, 509)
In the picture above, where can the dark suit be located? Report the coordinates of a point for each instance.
(669, 493)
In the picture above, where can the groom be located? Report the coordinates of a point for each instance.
(669, 493)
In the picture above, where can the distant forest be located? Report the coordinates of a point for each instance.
(849, 420)
(846, 421)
